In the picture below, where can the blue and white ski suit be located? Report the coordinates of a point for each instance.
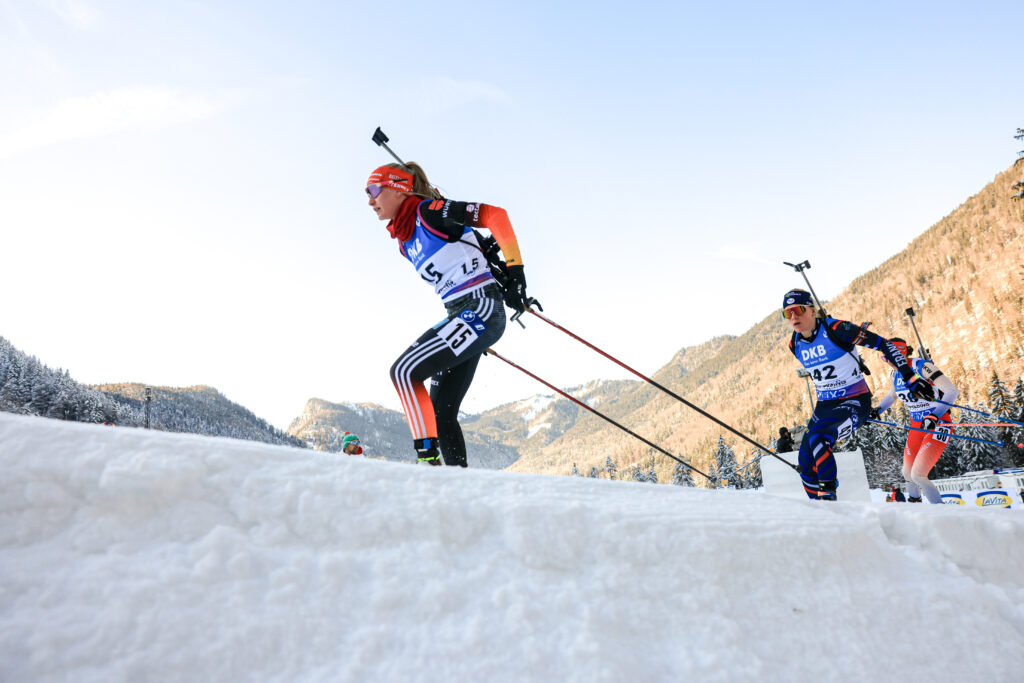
(844, 399)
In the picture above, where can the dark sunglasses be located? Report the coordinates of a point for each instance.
(374, 190)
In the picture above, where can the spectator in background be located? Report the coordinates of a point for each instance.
(350, 444)
(785, 442)
(897, 494)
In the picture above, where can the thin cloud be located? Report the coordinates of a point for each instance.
(458, 94)
(106, 113)
(78, 13)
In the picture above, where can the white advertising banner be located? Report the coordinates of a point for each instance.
(994, 498)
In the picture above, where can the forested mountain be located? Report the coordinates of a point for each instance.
(197, 410)
(29, 387)
(384, 433)
(963, 276)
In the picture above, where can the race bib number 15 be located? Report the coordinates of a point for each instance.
(460, 332)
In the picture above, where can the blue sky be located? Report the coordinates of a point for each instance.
(181, 183)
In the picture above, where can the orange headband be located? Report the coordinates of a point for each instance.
(389, 176)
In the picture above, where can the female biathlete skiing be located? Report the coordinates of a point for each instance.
(922, 450)
(826, 347)
(436, 235)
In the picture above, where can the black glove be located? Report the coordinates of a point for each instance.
(874, 414)
(515, 289)
(920, 388)
(930, 423)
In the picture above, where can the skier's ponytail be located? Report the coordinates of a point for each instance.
(421, 186)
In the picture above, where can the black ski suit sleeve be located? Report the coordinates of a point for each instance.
(845, 333)
(450, 218)
(445, 217)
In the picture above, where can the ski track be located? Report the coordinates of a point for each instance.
(135, 555)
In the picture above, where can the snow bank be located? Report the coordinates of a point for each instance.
(134, 555)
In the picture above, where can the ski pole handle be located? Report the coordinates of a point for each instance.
(530, 301)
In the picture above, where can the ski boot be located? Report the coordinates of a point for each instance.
(427, 452)
(827, 489)
(912, 499)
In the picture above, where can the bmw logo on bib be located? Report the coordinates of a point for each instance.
(474, 320)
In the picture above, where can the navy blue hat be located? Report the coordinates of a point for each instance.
(797, 297)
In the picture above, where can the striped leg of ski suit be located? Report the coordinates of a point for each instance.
(817, 463)
(920, 455)
(435, 414)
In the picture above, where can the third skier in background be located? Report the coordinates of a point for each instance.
(922, 450)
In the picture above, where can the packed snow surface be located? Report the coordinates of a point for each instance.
(132, 555)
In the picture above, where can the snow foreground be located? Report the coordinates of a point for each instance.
(133, 555)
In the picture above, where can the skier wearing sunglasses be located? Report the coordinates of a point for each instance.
(437, 236)
(827, 348)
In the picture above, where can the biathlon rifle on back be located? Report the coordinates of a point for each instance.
(925, 352)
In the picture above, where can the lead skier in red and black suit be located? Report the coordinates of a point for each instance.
(437, 235)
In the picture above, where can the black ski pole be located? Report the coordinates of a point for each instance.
(663, 388)
(497, 355)
(924, 350)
